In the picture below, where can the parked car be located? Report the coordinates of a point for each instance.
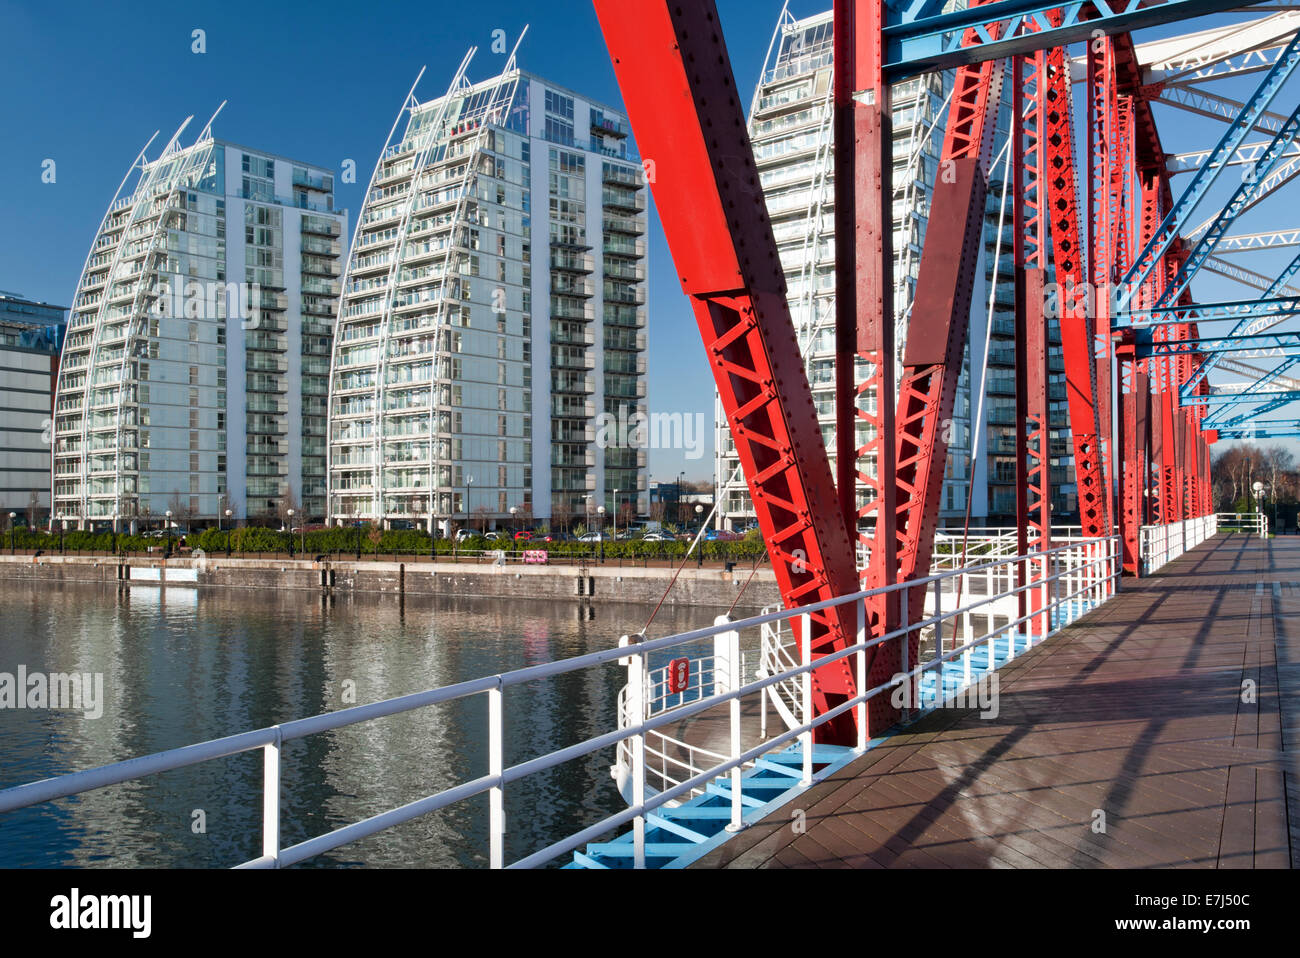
(594, 537)
(463, 535)
(523, 535)
(657, 537)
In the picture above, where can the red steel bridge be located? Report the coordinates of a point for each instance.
(1102, 240)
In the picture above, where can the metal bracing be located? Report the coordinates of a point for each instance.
(1247, 326)
(1219, 52)
(933, 41)
(1176, 220)
(1248, 190)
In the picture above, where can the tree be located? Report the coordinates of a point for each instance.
(1277, 466)
(179, 507)
(286, 502)
(481, 518)
(33, 510)
(561, 514)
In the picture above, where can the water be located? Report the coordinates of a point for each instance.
(186, 665)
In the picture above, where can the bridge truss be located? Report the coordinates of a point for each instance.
(1103, 243)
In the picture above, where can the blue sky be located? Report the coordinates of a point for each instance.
(319, 82)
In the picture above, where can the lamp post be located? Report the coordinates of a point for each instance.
(358, 540)
(514, 522)
(228, 534)
(289, 513)
(699, 555)
(1260, 491)
(167, 553)
(12, 517)
(616, 513)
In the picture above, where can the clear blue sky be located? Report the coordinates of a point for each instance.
(86, 83)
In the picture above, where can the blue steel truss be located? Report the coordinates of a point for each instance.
(1251, 187)
(1260, 312)
(1154, 252)
(918, 39)
(1244, 327)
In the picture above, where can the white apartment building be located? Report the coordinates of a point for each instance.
(493, 314)
(194, 374)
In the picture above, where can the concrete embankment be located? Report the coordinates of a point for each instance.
(594, 583)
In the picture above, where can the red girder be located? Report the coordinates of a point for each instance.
(680, 93)
(940, 315)
(1075, 307)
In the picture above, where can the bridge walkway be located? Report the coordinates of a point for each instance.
(1161, 731)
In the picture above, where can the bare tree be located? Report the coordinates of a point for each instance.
(481, 518)
(287, 502)
(1277, 466)
(561, 514)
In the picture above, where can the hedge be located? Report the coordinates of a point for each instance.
(343, 541)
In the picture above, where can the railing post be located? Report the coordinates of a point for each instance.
(905, 624)
(496, 765)
(271, 799)
(734, 682)
(636, 709)
(805, 658)
(861, 606)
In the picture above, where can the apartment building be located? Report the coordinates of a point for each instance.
(194, 375)
(493, 317)
(31, 335)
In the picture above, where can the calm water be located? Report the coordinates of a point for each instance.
(188, 665)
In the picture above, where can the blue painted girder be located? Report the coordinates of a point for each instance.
(918, 39)
(1242, 310)
(1153, 254)
(1255, 325)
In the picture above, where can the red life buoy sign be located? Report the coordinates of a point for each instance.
(679, 675)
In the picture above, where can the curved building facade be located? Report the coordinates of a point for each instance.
(480, 333)
(208, 297)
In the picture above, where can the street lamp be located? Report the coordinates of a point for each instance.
(168, 552)
(228, 514)
(699, 555)
(12, 517)
(514, 522)
(615, 513)
(289, 513)
(1260, 491)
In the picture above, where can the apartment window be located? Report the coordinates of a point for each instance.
(194, 419)
(194, 462)
(501, 426)
(559, 104)
(194, 440)
(194, 397)
(501, 399)
(501, 373)
(194, 375)
(501, 481)
(501, 450)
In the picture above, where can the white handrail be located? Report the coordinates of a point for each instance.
(1090, 572)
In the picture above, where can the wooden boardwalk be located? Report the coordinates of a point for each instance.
(1125, 741)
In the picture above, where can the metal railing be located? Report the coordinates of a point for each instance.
(1160, 545)
(1254, 523)
(1071, 580)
